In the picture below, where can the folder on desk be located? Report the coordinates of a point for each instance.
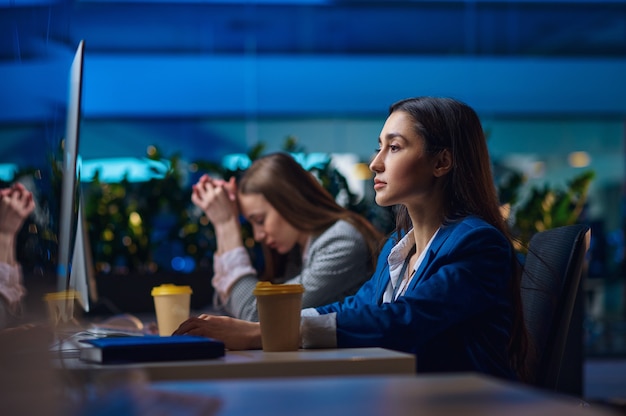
(119, 350)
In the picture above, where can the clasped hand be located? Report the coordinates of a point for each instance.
(216, 198)
(16, 204)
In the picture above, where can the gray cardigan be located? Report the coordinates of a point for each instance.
(337, 264)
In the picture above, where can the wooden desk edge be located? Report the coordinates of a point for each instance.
(258, 364)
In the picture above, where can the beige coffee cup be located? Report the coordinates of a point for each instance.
(172, 305)
(279, 315)
(61, 307)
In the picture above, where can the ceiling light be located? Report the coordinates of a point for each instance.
(579, 159)
(362, 171)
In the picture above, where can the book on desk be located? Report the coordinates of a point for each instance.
(132, 349)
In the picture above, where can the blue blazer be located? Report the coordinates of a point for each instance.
(456, 314)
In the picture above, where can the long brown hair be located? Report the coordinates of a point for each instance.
(301, 200)
(469, 188)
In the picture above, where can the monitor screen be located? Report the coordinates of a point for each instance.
(74, 268)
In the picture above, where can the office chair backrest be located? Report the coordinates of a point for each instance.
(550, 281)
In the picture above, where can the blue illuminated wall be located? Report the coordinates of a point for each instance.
(208, 78)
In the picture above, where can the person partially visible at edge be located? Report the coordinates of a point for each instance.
(16, 204)
(447, 283)
(330, 250)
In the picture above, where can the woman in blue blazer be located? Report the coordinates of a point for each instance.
(447, 282)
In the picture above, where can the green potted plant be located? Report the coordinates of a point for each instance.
(545, 207)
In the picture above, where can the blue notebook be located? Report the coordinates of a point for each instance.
(134, 349)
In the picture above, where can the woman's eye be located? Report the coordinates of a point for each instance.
(256, 221)
(391, 147)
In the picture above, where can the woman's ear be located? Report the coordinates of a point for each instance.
(443, 163)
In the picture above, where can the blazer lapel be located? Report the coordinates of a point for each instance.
(382, 283)
(433, 250)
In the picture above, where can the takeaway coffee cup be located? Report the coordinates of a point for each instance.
(172, 304)
(61, 307)
(279, 315)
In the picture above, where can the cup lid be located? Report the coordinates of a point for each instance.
(171, 289)
(63, 295)
(267, 288)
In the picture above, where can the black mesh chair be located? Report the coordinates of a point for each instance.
(552, 305)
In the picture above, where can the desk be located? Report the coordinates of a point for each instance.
(397, 395)
(256, 363)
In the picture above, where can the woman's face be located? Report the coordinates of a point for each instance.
(403, 170)
(268, 225)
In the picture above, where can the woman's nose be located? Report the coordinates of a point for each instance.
(259, 235)
(375, 164)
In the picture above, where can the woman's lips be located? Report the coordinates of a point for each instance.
(379, 184)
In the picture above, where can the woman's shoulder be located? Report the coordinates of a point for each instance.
(342, 230)
(342, 227)
(470, 222)
(472, 227)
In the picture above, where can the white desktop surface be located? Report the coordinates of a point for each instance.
(256, 363)
(397, 395)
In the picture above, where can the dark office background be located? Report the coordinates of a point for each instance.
(203, 79)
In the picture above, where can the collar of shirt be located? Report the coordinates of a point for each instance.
(305, 250)
(397, 257)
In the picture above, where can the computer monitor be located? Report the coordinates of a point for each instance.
(74, 266)
(82, 274)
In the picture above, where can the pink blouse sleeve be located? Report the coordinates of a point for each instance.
(228, 268)
(11, 287)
